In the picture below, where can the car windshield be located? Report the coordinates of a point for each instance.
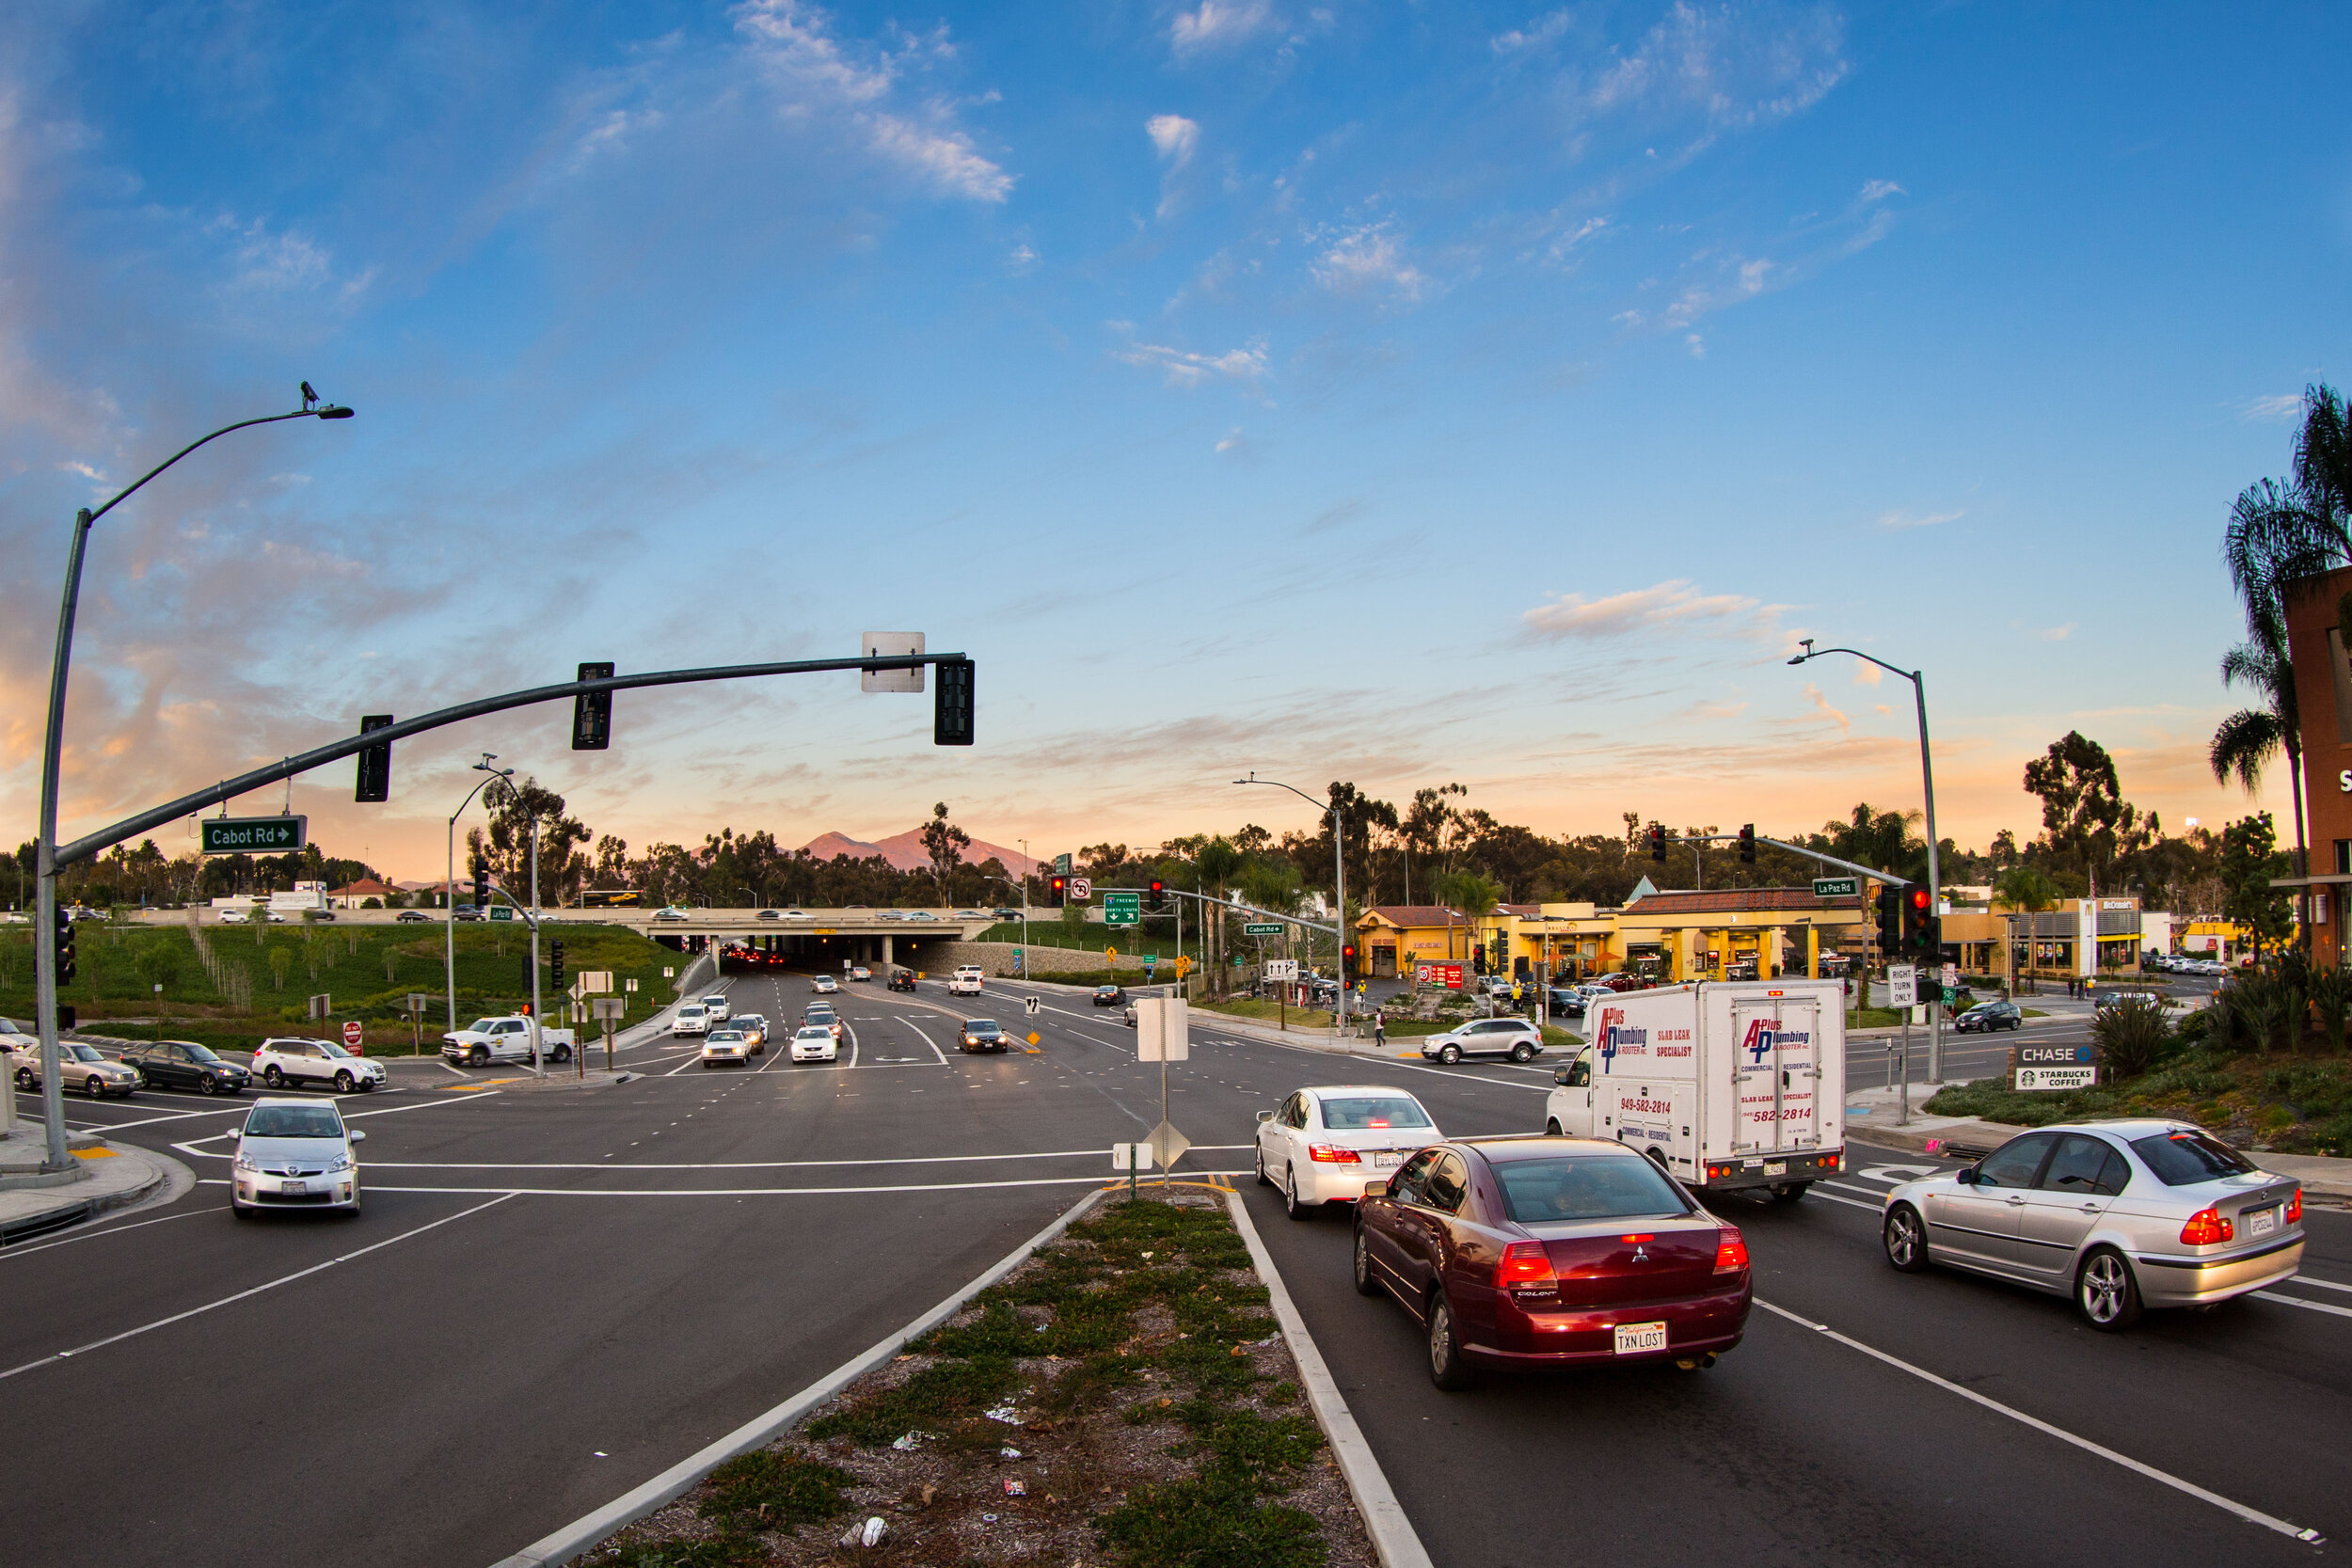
(719, 1035)
(79, 1053)
(293, 1121)
(1372, 1113)
(335, 1051)
(2185, 1157)
(480, 1026)
(982, 1026)
(815, 1032)
(1600, 1187)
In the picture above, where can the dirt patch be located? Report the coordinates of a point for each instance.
(1124, 1400)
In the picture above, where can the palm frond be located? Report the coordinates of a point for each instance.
(2243, 744)
(2322, 454)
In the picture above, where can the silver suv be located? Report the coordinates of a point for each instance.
(1514, 1038)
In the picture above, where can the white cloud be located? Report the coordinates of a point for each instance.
(1185, 368)
(1543, 30)
(1219, 24)
(1675, 602)
(1369, 257)
(1174, 137)
(1821, 705)
(1725, 66)
(1879, 190)
(2283, 409)
(1234, 439)
(1866, 673)
(1898, 520)
(2058, 634)
(267, 261)
(946, 156)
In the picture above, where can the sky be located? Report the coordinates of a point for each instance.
(1395, 393)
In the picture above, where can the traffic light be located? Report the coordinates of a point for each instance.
(482, 885)
(1060, 887)
(592, 713)
(1890, 920)
(1478, 957)
(1747, 844)
(1919, 922)
(555, 963)
(1656, 841)
(951, 718)
(65, 945)
(1159, 889)
(375, 764)
(1347, 960)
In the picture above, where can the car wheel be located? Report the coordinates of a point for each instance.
(206, 1084)
(1290, 1205)
(1551, 1128)
(1906, 1240)
(94, 1086)
(1447, 1369)
(1789, 1192)
(1263, 1180)
(274, 1078)
(342, 1082)
(1450, 1054)
(23, 1078)
(2106, 1291)
(478, 1056)
(562, 1053)
(1522, 1051)
(1365, 1284)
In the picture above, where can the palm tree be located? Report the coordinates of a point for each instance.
(2246, 740)
(1473, 893)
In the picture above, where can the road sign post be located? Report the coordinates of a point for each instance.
(607, 1008)
(416, 1023)
(1164, 1035)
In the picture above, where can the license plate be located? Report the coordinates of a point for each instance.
(2264, 1221)
(1392, 1158)
(1776, 1167)
(293, 1189)
(1633, 1339)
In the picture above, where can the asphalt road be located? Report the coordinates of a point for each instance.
(555, 1293)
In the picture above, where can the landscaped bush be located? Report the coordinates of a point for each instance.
(2135, 1035)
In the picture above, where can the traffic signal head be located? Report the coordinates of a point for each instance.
(555, 963)
(1347, 954)
(1890, 920)
(1159, 889)
(375, 781)
(592, 712)
(1060, 887)
(65, 945)
(481, 884)
(1656, 841)
(1920, 922)
(1747, 843)
(951, 715)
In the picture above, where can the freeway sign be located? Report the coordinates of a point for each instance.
(1122, 909)
(1836, 887)
(253, 836)
(1263, 928)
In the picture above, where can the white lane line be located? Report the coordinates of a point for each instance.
(768, 1165)
(1849, 1187)
(2323, 1284)
(2252, 1515)
(759, 1191)
(88, 1235)
(927, 1041)
(188, 1147)
(690, 1061)
(1850, 1203)
(176, 1115)
(255, 1291)
(2298, 1300)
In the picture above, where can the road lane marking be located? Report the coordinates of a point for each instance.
(2323, 1284)
(927, 1041)
(2298, 1300)
(255, 1291)
(768, 1165)
(2252, 1515)
(758, 1192)
(87, 1235)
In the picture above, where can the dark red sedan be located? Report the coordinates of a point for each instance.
(1550, 1252)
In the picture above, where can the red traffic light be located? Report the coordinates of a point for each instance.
(1919, 900)
(1158, 887)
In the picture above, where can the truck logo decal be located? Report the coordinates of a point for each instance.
(1764, 1035)
(1617, 1035)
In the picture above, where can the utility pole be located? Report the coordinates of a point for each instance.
(535, 1019)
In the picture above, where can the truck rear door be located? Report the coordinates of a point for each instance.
(1777, 1074)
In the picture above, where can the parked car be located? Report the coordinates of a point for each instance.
(2120, 1215)
(412, 917)
(1515, 1037)
(902, 979)
(724, 1046)
(184, 1065)
(1322, 1143)
(982, 1034)
(824, 985)
(280, 1062)
(294, 1153)
(79, 1066)
(1108, 996)
(814, 1042)
(1986, 1017)
(1551, 1252)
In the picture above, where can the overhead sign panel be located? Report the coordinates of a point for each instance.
(1122, 909)
(1263, 928)
(1836, 887)
(252, 835)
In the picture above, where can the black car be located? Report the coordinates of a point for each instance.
(1006, 914)
(411, 917)
(1564, 1003)
(1108, 996)
(902, 979)
(1985, 1017)
(981, 1034)
(186, 1064)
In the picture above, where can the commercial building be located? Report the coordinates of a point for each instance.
(2323, 700)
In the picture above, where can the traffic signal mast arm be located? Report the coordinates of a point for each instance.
(1870, 871)
(1233, 904)
(131, 827)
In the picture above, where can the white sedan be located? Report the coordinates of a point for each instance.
(726, 1045)
(814, 1042)
(824, 985)
(1324, 1145)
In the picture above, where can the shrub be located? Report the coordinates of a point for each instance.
(2135, 1034)
(2331, 1002)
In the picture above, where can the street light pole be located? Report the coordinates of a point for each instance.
(51, 757)
(1338, 883)
(1927, 783)
(449, 887)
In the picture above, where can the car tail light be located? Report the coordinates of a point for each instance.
(1731, 1251)
(1331, 1156)
(1525, 1265)
(2295, 1207)
(2205, 1228)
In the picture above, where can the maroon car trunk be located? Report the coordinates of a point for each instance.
(1630, 1264)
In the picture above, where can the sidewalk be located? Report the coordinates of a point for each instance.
(105, 1177)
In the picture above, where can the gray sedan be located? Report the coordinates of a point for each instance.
(2117, 1214)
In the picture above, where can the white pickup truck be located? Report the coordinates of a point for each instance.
(1725, 1084)
(505, 1040)
(965, 981)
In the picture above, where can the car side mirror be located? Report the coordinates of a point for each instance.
(1265, 1116)
(233, 1134)
(1965, 1175)
(1377, 1189)
(358, 1137)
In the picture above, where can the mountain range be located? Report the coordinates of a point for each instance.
(905, 850)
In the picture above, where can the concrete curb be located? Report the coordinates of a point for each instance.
(576, 1537)
(70, 1211)
(1393, 1534)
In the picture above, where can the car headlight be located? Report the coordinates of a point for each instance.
(250, 1166)
(339, 1162)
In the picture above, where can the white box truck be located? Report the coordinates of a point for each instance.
(1726, 1083)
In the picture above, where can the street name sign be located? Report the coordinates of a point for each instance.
(1122, 909)
(499, 911)
(252, 835)
(1263, 928)
(1836, 887)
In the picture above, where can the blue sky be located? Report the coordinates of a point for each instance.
(1372, 391)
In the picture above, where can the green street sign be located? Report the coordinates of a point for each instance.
(499, 911)
(1263, 928)
(1836, 887)
(252, 835)
(1122, 909)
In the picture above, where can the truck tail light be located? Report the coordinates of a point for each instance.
(2295, 1207)
(1731, 1251)
(1525, 1265)
(2205, 1228)
(1331, 1156)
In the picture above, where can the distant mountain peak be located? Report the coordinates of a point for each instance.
(905, 850)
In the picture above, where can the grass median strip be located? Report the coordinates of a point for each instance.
(1123, 1399)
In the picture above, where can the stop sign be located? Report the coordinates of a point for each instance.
(351, 1034)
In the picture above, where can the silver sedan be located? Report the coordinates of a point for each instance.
(2117, 1214)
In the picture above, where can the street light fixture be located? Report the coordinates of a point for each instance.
(52, 754)
(1339, 884)
(1926, 779)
